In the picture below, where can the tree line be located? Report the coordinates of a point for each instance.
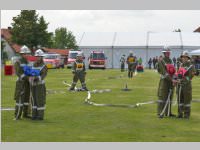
(31, 30)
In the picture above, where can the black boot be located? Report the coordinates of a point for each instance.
(180, 115)
(34, 114)
(172, 115)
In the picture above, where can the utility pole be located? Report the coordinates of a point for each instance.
(113, 42)
(147, 47)
(181, 39)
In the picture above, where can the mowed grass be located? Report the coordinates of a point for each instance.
(69, 119)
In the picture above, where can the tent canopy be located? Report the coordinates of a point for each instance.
(195, 52)
(118, 39)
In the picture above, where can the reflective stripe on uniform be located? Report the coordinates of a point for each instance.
(187, 105)
(19, 104)
(26, 104)
(22, 65)
(181, 104)
(41, 108)
(34, 107)
(160, 101)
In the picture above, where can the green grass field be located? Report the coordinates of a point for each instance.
(69, 119)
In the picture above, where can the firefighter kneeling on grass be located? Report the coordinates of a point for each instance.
(79, 72)
(38, 88)
(22, 90)
(184, 85)
(165, 90)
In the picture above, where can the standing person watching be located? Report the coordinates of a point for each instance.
(122, 61)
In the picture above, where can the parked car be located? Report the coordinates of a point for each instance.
(97, 59)
(72, 57)
(53, 60)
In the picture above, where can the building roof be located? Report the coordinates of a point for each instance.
(58, 51)
(6, 34)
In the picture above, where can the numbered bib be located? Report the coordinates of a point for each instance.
(131, 59)
(79, 66)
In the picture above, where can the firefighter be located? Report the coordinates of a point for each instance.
(131, 61)
(79, 72)
(122, 61)
(184, 86)
(22, 90)
(38, 88)
(165, 90)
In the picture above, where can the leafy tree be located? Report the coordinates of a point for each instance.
(43, 37)
(64, 39)
(28, 29)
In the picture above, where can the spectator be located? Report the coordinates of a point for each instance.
(140, 61)
(154, 63)
(150, 62)
(174, 61)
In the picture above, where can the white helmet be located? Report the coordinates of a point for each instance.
(24, 50)
(185, 53)
(166, 49)
(131, 53)
(39, 52)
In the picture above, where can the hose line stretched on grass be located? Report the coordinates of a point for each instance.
(87, 100)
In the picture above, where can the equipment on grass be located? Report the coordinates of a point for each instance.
(126, 88)
(168, 103)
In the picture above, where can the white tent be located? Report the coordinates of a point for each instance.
(195, 52)
(143, 44)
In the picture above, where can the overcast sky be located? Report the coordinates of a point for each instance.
(79, 21)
